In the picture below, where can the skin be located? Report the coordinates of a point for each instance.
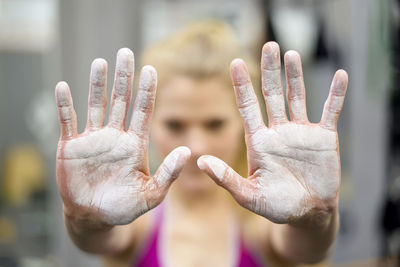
(199, 217)
(294, 165)
(102, 174)
(197, 113)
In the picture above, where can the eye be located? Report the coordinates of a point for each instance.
(174, 126)
(215, 124)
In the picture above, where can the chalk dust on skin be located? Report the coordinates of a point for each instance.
(275, 198)
(96, 117)
(60, 170)
(301, 161)
(216, 165)
(97, 96)
(93, 177)
(117, 116)
(144, 102)
(173, 163)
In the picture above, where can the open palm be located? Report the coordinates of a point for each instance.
(103, 173)
(294, 166)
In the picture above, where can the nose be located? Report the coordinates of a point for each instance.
(197, 142)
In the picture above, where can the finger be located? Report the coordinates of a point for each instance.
(296, 93)
(272, 84)
(97, 94)
(334, 103)
(246, 99)
(122, 90)
(171, 167)
(66, 112)
(144, 102)
(226, 177)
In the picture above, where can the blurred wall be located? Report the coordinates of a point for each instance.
(90, 29)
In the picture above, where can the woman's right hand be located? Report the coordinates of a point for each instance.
(102, 174)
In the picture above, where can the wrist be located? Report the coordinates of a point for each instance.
(81, 220)
(307, 239)
(320, 217)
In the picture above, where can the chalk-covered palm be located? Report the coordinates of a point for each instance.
(294, 166)
(103, 173)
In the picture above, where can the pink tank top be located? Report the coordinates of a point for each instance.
(149, 256)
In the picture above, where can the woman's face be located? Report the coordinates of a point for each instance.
(202, 115)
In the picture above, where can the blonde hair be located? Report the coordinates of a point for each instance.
(201, 50)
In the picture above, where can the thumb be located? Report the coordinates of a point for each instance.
(226, 177)
(171, 167)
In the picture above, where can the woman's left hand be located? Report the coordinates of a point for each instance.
(294, 165)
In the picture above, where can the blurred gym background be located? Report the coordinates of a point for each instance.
(45, 41)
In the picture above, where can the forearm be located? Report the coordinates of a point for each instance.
(309, 242)
(94, 237)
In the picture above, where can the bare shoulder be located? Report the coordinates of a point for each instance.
(136, 233)
(256, 230)
(257, 237)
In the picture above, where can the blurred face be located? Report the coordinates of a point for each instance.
(199, 114)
